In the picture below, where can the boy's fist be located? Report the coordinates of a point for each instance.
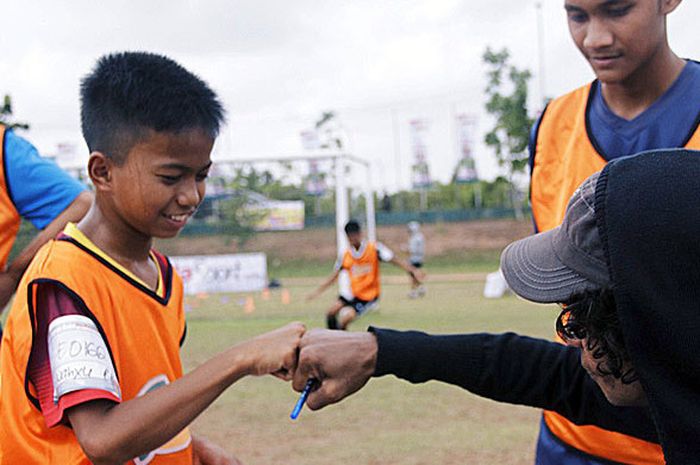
(275, 352)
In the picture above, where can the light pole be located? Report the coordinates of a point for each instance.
(540, 53)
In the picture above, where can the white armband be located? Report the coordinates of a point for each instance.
(79, 357)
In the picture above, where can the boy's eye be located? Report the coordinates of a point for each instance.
(619, 12)
(169, 179)
(202, 176)
(578, 17)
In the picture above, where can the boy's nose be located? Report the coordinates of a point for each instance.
(189, 195)
(598, 36)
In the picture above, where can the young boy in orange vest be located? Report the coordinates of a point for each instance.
(361, 262)
(90, 358)
(645, 97)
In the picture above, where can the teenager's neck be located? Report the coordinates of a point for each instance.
(113, 236)
(629, 98)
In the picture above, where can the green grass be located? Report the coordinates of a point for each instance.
(390, 421)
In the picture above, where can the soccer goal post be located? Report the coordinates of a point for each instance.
(347, 171)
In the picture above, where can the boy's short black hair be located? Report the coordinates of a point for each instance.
(129, 93)
(352, 226)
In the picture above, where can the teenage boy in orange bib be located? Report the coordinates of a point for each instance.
(361, 262)
(90, 358)
(644, 97)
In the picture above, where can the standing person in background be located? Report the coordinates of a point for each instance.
(386, 203)
(35, 189)
(416, 252)
(645, 97)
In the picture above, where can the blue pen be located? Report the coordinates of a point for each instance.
(310, 384)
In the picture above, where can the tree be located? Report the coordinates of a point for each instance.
(329, 130)
(6, 115)
(511, 134)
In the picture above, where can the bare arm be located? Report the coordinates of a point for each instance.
(114, 433)
(416, 275)
(325, 285)
(12, 274)
(204, 452)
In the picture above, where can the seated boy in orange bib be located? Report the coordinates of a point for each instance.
(90, 367)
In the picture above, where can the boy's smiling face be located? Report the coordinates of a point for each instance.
(161, 183)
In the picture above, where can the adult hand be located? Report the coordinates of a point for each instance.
(274, 352)
(205, 452)
(8, 285)
(342, 362)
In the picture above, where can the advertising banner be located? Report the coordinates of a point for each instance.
(222, 273)
(420, 171)
(279, 215)
(466, 167)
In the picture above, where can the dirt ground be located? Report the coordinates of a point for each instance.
(319, 244)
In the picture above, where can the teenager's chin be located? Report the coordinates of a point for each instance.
(609, 77)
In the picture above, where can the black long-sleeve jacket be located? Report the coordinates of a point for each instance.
(509, 368)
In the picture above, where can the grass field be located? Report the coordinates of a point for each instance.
(390, 421)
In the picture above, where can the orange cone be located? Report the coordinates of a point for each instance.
(286, 297)
(266, 294)
(249, 306)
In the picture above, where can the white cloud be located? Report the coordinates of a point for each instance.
(278, 64)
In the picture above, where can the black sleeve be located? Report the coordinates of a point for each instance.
(509, 368)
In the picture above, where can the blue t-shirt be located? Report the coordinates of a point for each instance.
(667, 123)
(39, 189)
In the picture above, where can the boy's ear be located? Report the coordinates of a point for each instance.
(100, 171)
(667, 6)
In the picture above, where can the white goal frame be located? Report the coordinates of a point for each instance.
(341, 162)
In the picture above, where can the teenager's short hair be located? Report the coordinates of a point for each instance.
(129, 93)
(352, 226)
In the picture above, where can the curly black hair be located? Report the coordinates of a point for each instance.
(593, 316)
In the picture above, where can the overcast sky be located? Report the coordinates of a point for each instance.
(278, 64)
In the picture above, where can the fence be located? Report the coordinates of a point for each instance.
(202, 228)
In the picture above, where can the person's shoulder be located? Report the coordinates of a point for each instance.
(62, 259)
(16, 146)
(693, 71)
(576, 93)
(46, 256)
(54, 262)
(564, 107)
(12, 137)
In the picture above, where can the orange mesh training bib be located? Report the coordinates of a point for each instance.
(142, 329)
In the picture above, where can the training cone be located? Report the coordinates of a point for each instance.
(286, 297)
(249, 306)
(266, 294)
